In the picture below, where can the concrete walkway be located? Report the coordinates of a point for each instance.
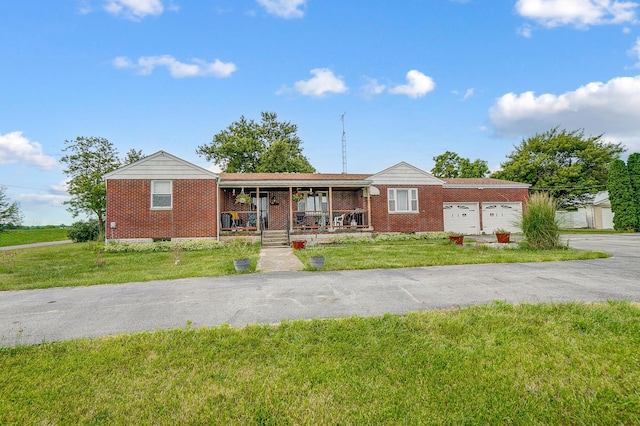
(278, 259)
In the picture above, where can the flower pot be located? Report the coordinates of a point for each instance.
(457, 239)
(241, 264)
(503, 238)
(316, 262)
(298, 244)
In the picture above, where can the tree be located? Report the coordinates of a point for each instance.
(571, 167)
(625, 216)
(451, 165)
(87, 161)
(633, 166)
(10, 213)
(249, 147)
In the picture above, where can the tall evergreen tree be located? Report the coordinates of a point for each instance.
(633, 166)
(625, 217)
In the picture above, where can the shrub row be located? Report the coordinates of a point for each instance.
(162, 246)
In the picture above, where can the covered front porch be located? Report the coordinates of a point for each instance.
(310, 203)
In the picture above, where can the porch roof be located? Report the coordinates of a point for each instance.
(280, 180)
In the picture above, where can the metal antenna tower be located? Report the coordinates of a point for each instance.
(344, 146)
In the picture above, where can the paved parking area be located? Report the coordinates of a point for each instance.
(65, 313)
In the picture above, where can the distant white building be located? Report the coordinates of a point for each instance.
(597, 215)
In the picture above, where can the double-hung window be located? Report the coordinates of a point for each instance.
(403, 200)
(161, 194)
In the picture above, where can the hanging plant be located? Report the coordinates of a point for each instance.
(243, 198)
(298, 196)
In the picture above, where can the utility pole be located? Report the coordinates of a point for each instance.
(344, 146)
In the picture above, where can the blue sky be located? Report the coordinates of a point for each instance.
(416, 78)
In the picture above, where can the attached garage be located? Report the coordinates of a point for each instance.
(500, 215)
(461, 217)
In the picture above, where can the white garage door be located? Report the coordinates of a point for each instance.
(500, 215)
(461, 217)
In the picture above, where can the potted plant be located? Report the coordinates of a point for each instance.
(243, 198)
(298, 196)
(298, 244)
(240, 250)
(316, 255)
(502, 235)
(456, 237)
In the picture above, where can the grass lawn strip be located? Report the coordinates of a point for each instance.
(495, 364)
(84, 264)
(15, 237)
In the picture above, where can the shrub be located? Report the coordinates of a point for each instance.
(163, 246)
(539, 224)
(81, 232)
(625, 217)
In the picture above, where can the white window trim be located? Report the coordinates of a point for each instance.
(170, 206)
(392, 195)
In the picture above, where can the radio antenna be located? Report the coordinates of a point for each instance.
(344, 145)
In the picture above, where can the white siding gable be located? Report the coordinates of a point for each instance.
(161, 165)
(404, 174)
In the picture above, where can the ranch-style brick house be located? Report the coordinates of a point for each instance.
(162, 197)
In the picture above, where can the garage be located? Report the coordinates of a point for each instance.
(461, 217)
(501, 215)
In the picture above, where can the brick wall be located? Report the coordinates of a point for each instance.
(475, 195)
(429, 218)
(193, 214)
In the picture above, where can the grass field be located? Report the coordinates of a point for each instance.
(83, 264)
(496, 364)
(28, 236)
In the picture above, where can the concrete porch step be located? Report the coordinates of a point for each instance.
(277, 238)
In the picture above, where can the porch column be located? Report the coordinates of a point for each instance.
(331, 207)
(258, 205)
(290, 208)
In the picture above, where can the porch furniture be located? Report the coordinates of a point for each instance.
(298, 218)
(338, 220)
(235, 220)
(251, 219)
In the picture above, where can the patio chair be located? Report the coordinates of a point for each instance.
(299, 219)
(338, 220)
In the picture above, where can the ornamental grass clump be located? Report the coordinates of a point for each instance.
(539, 224)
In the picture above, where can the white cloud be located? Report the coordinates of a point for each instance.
(15, 148)
(525, 31)
(284, 8)
(134, 9)
(372, 87)
(41, 199)
(323, 82)
(199, 68)
(635, 52)
(579, 13)
(612, 108)
(417, 85)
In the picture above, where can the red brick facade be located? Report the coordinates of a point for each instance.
(429, 218)
(193, 214)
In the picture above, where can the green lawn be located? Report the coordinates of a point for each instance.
(82, 264)
(498, 364)
(28, 236)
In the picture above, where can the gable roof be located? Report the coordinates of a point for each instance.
(404, 174)
(161, 165)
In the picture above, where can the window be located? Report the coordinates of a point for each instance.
(161, 194)
(403, 200)
(316, 201)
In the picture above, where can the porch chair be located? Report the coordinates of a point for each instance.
(298, 218)
(338, 220)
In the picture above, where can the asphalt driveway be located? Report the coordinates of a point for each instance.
(35, 316)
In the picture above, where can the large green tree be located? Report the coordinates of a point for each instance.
(10, 213)
(451, 165)
(568, 165)
(87, 160)
(265, 147)
(633, 166)
(625, 216)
